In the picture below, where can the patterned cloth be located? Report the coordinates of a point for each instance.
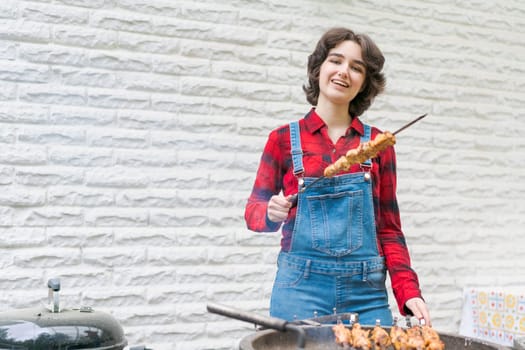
(492, 314)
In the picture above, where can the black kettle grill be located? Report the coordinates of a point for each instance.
(51, 328)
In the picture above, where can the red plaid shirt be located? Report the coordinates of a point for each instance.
(275, 173)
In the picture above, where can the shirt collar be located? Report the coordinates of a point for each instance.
(314, 123)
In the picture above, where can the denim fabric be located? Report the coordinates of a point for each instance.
(304, 287)
(333, 263)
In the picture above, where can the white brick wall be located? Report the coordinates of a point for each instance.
(131, 131)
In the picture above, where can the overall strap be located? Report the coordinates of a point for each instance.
(296, 149)
(366, 138)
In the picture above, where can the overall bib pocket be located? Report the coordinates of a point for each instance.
(336, 222)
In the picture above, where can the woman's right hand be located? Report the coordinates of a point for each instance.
(278, 207)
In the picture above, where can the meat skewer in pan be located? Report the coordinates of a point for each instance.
(380, 338)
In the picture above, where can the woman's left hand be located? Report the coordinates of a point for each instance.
(419, 309)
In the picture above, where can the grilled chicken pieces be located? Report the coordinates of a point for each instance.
(431, 337)
(414, 338)
(343, 335)
(380, 338)
(356, 337)
(360, 154)
(360, 337)
(398, 337)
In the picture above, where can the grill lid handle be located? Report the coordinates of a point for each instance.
(53, 286)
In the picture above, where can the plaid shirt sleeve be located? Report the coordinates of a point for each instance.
(268, 182)
(405, 284)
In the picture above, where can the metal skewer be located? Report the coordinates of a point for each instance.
(294, 197)
(409, 124)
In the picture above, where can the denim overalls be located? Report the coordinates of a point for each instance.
(333, 263)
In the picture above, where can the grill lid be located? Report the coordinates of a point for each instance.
(54, 328)
(39, 328)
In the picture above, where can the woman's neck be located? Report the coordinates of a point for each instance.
(334, 115)
(336, 118)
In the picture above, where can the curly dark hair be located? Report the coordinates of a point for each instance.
(375, 80)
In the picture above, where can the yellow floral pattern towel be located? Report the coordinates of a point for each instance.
(494, 315)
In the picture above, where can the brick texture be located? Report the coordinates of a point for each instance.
(131, 131)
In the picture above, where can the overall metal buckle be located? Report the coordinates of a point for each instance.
(366, 170)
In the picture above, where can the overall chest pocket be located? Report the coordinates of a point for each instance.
(336, 222)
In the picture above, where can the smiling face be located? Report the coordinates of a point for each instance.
(342, 74)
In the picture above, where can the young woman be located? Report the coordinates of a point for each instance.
(341, 235)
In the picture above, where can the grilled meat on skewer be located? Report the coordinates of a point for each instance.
(360, 154)
(380, 338)
(415, 338)
(432, 340)
(343, 336)
(399, 338)
(360, 338)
